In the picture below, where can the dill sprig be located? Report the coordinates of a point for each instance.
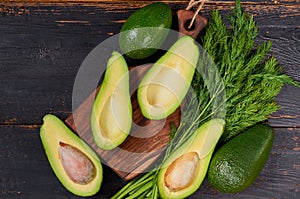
(242, 89)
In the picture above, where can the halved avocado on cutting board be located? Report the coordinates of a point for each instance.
(165, 85)
(111, 116)
(75, 164)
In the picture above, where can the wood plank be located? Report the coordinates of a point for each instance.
(288, 55)
(39, 60)
(253, 7)
(26, 173)
(89, 2)
(42, 50)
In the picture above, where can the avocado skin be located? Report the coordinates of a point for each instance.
(138, 41)
(237, 163)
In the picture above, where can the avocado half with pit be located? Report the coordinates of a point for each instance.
(184, 171)
(165, 85)
(112, 110)
(75, 164)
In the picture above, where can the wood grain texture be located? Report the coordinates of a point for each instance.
(42, 45)
(144, 145)
(288, 55)
(44, 48)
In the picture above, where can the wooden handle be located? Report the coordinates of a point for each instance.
(184, 19)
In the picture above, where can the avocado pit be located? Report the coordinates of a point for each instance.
(180, 174)
(76, 164)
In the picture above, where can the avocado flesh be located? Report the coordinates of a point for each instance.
(165, 85)
(74, 163)
(111, 114)
(183, 172)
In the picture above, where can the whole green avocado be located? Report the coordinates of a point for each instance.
(145, 30)
(237, 163)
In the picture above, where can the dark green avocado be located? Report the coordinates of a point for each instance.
(236, 164)
(145, 30)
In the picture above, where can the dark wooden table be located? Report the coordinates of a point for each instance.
(42, 45)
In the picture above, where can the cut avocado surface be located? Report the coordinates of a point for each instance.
(166, 83)
(112, 111)
(183, 172)
(75, 164)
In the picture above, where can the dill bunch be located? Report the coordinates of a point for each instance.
(252, 79)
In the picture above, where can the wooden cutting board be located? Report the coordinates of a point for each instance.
(142, 147)
(148, 138)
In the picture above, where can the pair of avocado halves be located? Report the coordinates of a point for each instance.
(159, 93)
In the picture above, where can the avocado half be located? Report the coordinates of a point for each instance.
(111, 116)
(165, 85)
(74, 163)
(184, 171)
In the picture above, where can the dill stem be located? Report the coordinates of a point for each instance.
(132, 185)
(145, 187)
(154, 192)
(140, 185)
